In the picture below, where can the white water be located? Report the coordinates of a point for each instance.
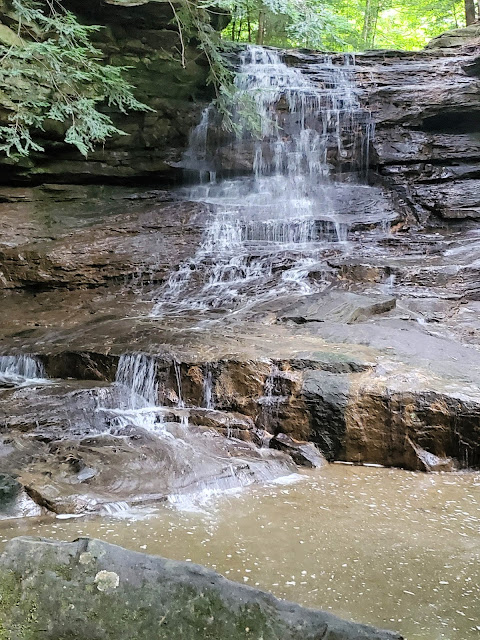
(198, 464)
(268, 228)
(19, 370)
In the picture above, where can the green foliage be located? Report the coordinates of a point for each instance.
(54, 73)
(341, 25)
(194, 21)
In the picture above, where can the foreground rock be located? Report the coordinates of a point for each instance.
(92, 590)
(304, 454)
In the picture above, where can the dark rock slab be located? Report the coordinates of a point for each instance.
(91, 590)
(456, 200)
(326, 396)
(338, 306)
(304, 454)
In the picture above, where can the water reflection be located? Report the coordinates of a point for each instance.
(388, 547)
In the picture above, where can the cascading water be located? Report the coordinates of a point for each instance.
(21, 369)
(134, 397)
(137, 374)
(195, 463)
(268, 228)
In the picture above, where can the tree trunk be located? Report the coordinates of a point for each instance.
(370, 18)
(470, 11)
(261, 28)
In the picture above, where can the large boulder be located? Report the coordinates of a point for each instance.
(456, 37)
(91, 590)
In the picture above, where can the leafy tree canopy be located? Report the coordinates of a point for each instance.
(341, 25)
(51, 71)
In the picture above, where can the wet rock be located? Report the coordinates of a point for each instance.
(326, 397)
(429, 461)
(305, 454)
(9, 490)
(427, 124)
(400, 421)
(338, 306)
(128, 241)
(90, 590)
(220, 420)
(458, 199)
(261, 437)
(75, 450)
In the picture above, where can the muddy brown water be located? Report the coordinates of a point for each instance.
(382, 546)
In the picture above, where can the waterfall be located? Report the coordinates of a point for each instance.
(21, 369)
(268, 228)
(137, 374)
(133, 400)
(208, 387)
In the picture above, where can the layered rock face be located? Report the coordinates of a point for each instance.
(426, 108)
(379, 366)
(141, 37)
(89, 589)
(427, 130)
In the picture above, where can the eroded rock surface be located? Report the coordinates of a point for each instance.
(57, 236)
(90, 590)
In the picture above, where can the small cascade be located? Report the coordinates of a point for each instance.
(274, 396)
(18, 370)
(208, 388)
(268, 227)
(190, 464)
(137, 373)
(134, 400)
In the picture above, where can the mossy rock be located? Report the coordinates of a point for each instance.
(91, 590)
(9, 490)
(456, 37)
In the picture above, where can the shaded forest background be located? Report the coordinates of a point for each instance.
(346, 25)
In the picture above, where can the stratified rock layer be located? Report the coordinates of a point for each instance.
(91, 590)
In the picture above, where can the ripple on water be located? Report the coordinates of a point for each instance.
(383, 546)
